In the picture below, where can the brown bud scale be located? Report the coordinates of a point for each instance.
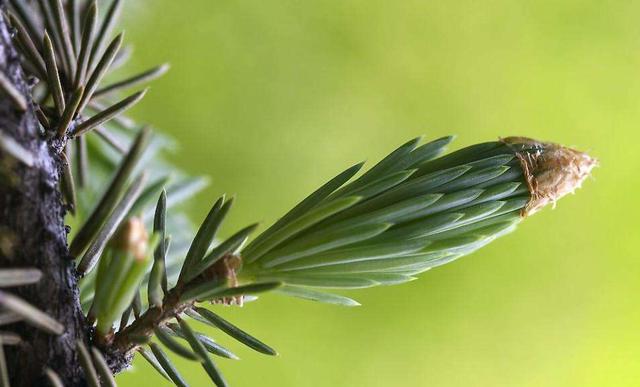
(551, 170)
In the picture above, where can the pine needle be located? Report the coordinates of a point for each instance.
(4, 371)
(236, 332)
(53, 77)
(53, 377)
(30, 314)
(109, 113)
(167, 366)
(14, 94)
(103, 369)
(87, 364)
(110, 197)
(144, 77)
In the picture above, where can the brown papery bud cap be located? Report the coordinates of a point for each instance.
(132, 237)
(551, 170)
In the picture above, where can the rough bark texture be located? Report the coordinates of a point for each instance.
(33, 234)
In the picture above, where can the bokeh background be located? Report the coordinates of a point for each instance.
(271, 98)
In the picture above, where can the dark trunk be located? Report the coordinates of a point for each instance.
(33, 234)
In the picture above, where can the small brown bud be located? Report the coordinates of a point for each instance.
(132, 237)
(551, 170)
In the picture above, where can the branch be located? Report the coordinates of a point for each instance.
(32, 231)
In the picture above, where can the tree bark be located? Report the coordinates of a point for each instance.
(33, 234)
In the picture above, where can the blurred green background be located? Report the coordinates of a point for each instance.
(272, 98)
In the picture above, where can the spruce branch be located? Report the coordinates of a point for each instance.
(414, 210)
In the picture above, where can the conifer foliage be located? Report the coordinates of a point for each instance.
(145, 275)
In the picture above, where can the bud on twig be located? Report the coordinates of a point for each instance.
(551, 170)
